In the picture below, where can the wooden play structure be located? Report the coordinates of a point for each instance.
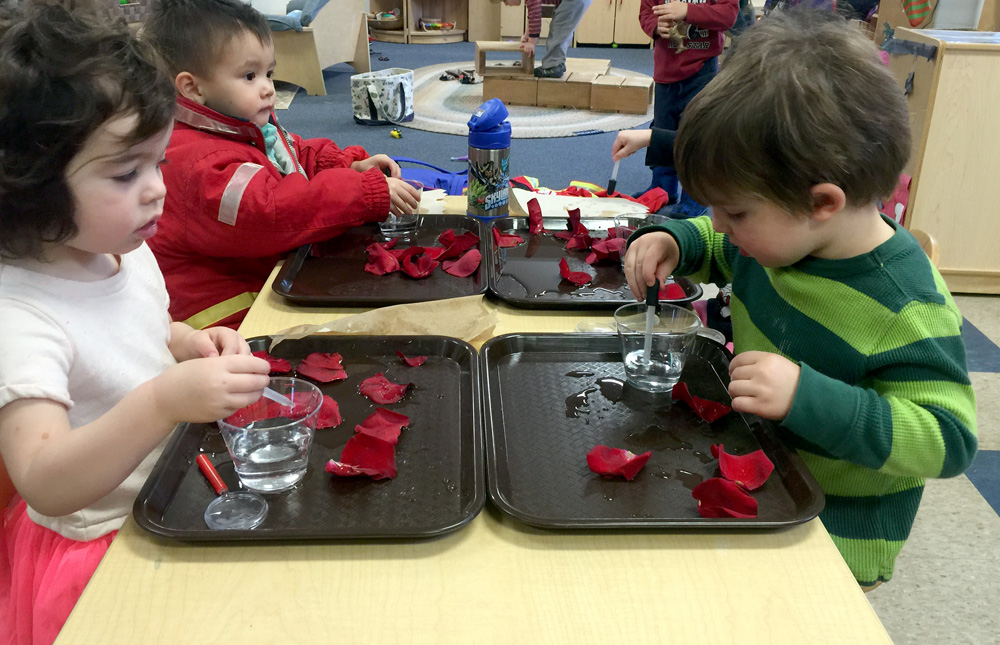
(588, 83)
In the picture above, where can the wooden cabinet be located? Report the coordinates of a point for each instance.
(414, 11)
(952, 91)
(611, 22)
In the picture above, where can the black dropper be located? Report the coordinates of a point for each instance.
(653, 296)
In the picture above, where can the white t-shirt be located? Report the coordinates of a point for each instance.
(85, 345)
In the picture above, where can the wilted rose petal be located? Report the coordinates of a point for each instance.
(506, 240)
(671, 291)
(579, 278)
(416, 263)
(705, 409)
(607, 249)
(278, 365)
(435, 252)
(381, 260)
(412, 361)
(322, 367)
(365, 455)
(381, 390)
(456, 244)
(464, 266)
(384, 424)
(750, 470)
(719, 497)
(608, 461)
(534, 216)
(329, 414)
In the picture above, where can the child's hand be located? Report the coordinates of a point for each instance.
(650, 257)
(628, 142)
(187, 343)
(671, 11)
(528, 44)
(202, 390)
(763, 383)
(404, 198)
(383, 162)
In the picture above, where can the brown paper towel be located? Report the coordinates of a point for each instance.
(466, 318)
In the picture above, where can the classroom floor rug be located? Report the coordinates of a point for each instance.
(446, 106)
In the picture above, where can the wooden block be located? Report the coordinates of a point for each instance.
(588, 65)
(604, 93)
(635, 95)
(505, 68)
(512, 91)
(572, 90)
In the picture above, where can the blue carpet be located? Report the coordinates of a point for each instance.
(982, 353)
(984, 473)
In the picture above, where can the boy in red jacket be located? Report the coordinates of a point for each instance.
(687, 40)
(242, 192)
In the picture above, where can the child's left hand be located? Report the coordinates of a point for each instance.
(763, 383)
(383, 162)
(671, 11)
(188, 343)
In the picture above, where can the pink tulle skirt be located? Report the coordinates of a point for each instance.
(42, 575)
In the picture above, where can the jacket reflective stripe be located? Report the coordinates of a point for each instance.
(222, 310)
(229, 206)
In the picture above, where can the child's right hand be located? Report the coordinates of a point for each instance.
(203, 390)
(651, 257)
(628, 142)
(403, 198)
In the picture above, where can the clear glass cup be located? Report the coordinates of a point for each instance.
(655, 346)
(270, 442)
(624, 226)
(403, 225)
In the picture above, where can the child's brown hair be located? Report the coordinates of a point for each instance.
(192, 34)
(802, 99)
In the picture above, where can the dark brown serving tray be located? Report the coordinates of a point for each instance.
(440, 485)
(527, 275)
(550, 398)
(336, 276)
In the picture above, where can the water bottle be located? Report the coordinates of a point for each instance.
(489, 154)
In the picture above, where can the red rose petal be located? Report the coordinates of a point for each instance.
(506, 240)
(607, 461)
(380, 260)
(435, 252)
(607, 249)
(365, 455)
(670, 291)
(412, 361)
(534, 216)
(707, 410)
(416, 263)
(446, 237)
(750, 470)
(384, 424)
(465, 265)
(381, 390)
(278, 365)
(322, 367)
(329, 414)
(719, 497)
(456, 245)
(579, 278)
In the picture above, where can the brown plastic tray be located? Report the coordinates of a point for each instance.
(332, 273)
(527, 276)
(440, 485)
(550, 398)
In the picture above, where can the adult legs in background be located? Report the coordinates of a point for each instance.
(669, 101)
(565, 18)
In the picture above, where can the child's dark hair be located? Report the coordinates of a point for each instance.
(65, 68)
(193, 34)
(802, 99)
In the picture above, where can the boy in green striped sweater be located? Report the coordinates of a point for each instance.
(845, 334)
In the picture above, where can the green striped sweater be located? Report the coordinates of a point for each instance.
(884, 399)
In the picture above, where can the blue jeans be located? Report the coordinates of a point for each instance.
(669, 102)
(565, 19)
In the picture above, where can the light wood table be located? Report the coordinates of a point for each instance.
(495, 580)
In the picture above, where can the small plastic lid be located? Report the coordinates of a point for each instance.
(488, 116)
(236, 510)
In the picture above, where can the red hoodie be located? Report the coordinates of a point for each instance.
(230, 214)
(708, 20)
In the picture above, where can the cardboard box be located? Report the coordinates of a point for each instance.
(512, 91)
(572, 90)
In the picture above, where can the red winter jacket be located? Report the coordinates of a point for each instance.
(230, 214)
(708, 20)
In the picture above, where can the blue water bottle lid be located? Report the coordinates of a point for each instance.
(488, 129)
